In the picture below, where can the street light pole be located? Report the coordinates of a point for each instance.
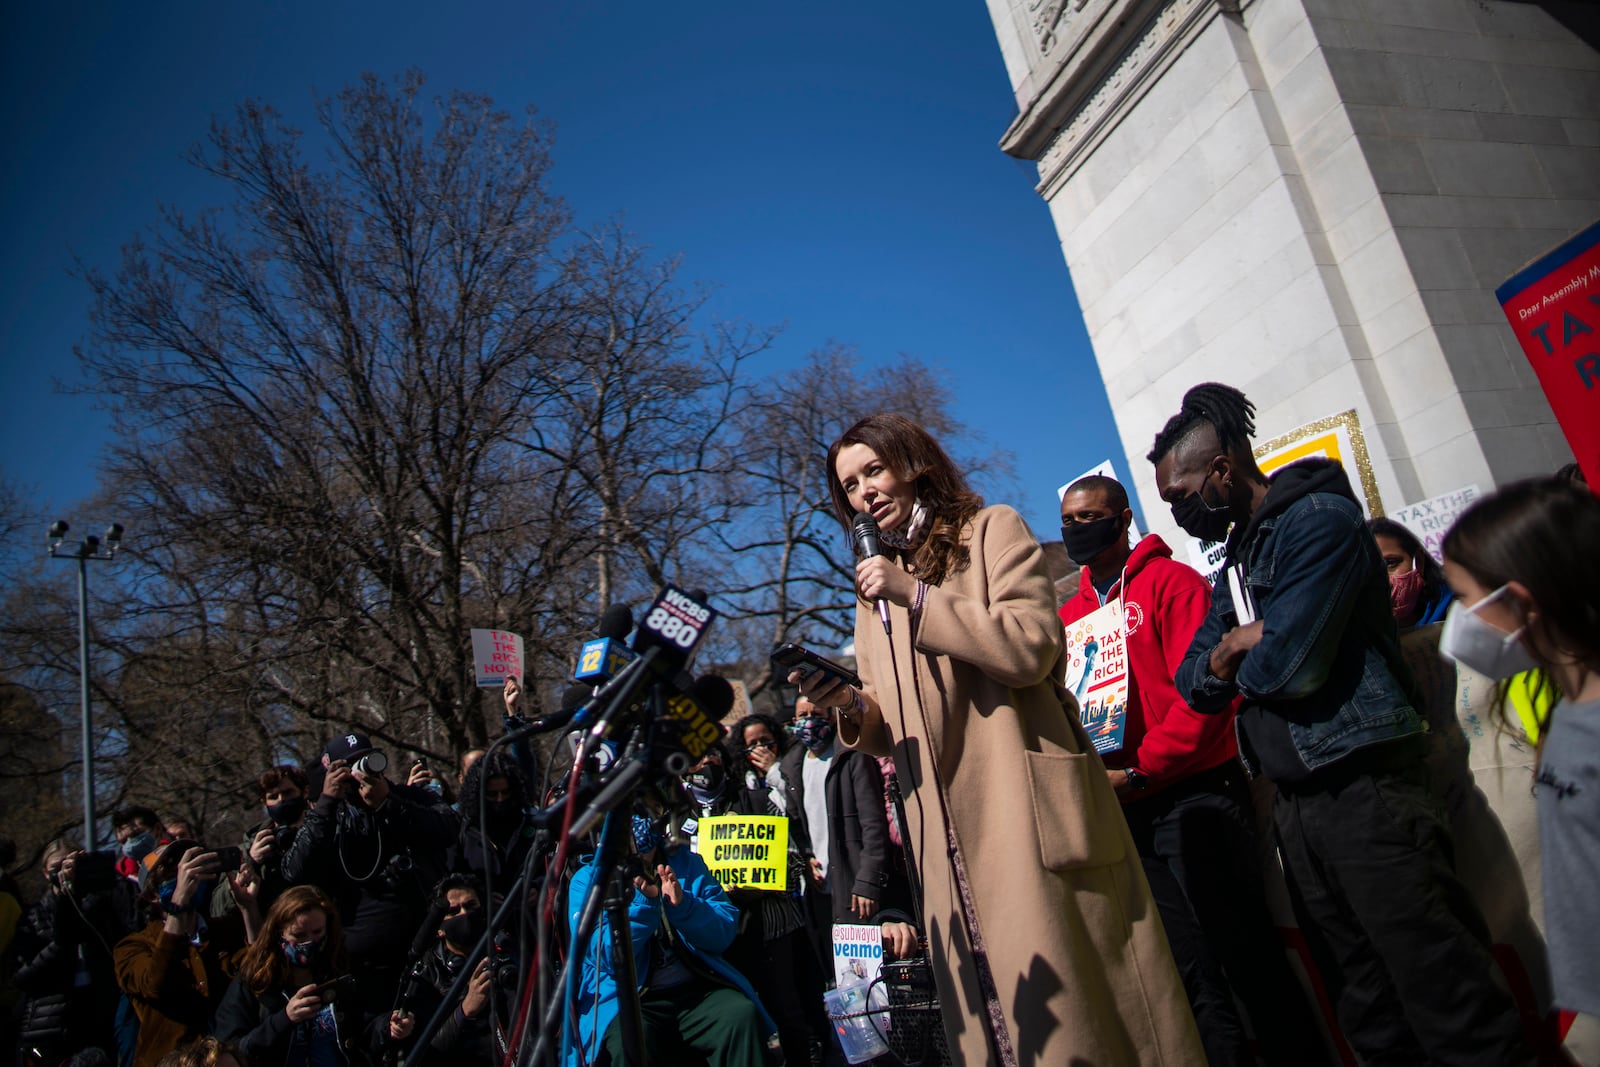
(85, 550)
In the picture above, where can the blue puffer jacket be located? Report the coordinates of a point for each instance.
(1327, 678)
(705, 922)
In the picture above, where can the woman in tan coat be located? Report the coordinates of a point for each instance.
(1047, 948)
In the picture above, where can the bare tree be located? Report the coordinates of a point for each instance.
(323, 395)
(639, 412)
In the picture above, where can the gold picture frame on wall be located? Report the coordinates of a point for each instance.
(1337, 437)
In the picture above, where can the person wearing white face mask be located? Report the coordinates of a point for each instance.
(1523, 563)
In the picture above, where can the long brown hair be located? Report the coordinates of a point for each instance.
(916, 458)
(263, 966)
(1541, 533)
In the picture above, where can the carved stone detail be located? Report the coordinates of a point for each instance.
(1150, 52)
(1158, 34)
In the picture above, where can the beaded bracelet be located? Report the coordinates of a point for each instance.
(922, 593)
(857, 706)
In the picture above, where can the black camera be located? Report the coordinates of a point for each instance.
(94, 872)
(503, 969)
(396, 874)
(230, 857)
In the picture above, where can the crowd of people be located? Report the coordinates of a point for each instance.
(1070, 906)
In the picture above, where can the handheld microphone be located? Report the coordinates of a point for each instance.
(603, 657)
(864, 532)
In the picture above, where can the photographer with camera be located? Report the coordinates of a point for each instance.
(465, 1035)
(172, 970)
(375, 846)
(282, 792)
(63, 955)
(293, 1001)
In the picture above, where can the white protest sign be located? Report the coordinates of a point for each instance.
(1104, 470)
(1430, 520)
(857, 953)
(1207, 557)
(1097, 673)
(496, 654)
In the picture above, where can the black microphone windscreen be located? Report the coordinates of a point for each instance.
(864, 532)
(615, 622)
(699, 595)
(575, 696)
(715, 694)
(428, 932)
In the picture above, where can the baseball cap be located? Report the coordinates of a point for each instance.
(347, 746)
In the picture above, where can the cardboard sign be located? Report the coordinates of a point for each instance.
(1430, 520)
(1097, 673)
(746, 851)
(496, 654)
(857, 953)
(1553, 305)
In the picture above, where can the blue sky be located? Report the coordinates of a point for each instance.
(831, 166)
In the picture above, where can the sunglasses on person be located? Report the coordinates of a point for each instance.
(765, 742)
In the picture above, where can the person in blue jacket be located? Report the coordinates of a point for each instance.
(691, 1000)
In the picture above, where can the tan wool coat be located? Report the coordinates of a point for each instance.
(986, 742)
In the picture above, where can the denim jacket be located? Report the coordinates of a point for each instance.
(1327, 678)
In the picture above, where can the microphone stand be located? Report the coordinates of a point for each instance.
(512, 899)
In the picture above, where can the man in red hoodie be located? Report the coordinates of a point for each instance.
(1184, 793)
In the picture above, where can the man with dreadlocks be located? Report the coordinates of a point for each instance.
(1300, 627)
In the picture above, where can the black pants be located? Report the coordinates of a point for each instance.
(1198, 845)
(787, 976)
(1398, 939)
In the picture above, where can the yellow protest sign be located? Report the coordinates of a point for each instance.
(746, 851)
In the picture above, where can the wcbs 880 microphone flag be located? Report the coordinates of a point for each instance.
(673, 627)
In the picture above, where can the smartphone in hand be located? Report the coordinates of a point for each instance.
(793, 657)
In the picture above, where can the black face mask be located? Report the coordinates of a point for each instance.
(1197, 518)
(707, 779)
(502, 810)
(464, 930)
(1086, 540)
(287, 812)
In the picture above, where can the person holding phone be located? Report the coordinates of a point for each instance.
(172, 970)
(63, 959)
(1049, 949)
(292, 1001)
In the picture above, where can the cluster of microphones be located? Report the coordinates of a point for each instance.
(633, 697)
(636, 699)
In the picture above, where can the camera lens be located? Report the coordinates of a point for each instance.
(372, 763)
